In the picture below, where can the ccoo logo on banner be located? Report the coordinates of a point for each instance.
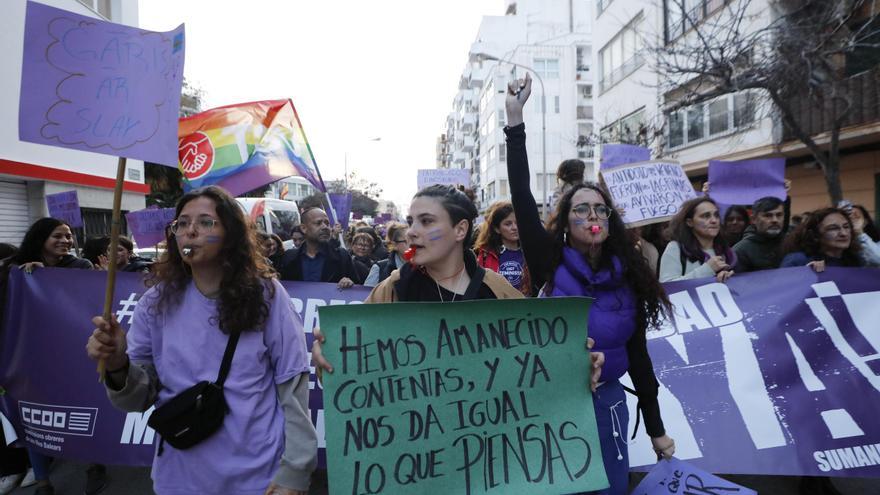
(774, 372)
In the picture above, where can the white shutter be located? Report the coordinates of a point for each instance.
(13, 212)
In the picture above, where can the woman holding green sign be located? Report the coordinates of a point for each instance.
(586, 250)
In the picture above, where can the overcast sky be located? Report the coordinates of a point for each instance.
(355, 70)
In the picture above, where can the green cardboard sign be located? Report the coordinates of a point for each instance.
(469, 397)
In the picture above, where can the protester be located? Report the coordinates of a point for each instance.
(48, 243)
(361, 255)
(867, 235)
(736, 220)
(569, 173)
(587, 251)
(126, 260)
(824, 239)
(697, 249)
(498, 247)
(95, 250)
(396, 236)
(7, 250)
(379, 251)
(297, 236)
(266, 246)
(761, 246)
(211, 285)
(443, 268)
(316, 260)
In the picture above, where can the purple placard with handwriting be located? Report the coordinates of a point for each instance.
(746, 181)
(65, 206)
(93, 85)
(148, 225)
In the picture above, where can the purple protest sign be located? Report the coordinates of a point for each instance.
(65, 206)
(744, 182)
(341, 203)
(93, 85)
(676, 476)
(51, 396)
(614, 155)
(148, 225)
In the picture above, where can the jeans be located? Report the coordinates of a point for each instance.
(612, 420)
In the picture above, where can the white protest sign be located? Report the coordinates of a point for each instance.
(649, 192)
(445, 176)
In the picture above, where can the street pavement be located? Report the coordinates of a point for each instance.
(69, 479)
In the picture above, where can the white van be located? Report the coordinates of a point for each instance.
(273, 216)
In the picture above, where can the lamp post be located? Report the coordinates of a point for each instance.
(486, 56)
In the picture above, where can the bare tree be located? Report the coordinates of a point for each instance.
(811, 59)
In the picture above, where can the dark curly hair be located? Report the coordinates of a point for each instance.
(31, 248)
(246, 275)
(807, 238)
(651, 300)
(683, 234)
(489, 238)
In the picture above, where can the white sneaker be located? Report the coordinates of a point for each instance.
(10, 482)
(29, 479)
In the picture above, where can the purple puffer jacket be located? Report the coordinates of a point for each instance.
(612, 318)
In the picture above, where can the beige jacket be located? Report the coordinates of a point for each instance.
(384, 292)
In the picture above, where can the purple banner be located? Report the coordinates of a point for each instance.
(148, 225)
(97, 86)
(774, 372)
(744, 182)
(614, 155)
(341, 203)
(65, 206)
(51, 392)
(674, 476)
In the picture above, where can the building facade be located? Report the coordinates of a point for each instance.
(636, 103)
(551, 40)
(28, 171)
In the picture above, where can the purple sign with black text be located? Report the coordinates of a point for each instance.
(774, 372)
(93, 85)
(65, 206)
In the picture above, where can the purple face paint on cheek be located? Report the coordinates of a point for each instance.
(212, 239)
(578, 222)
(435, 235)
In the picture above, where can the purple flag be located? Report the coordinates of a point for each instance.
(614, 155)
(341, 204)
(675, 476)
(148, 225)
(65, 206)
(93, 85)
(744, 182)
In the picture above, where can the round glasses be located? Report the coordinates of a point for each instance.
(582, 211)
(202, 224)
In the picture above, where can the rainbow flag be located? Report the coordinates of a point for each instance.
(245, 146)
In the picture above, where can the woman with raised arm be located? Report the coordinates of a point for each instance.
(213, 299)
(587, 251)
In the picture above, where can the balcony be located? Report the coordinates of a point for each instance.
(459, 157)
(467, 143)
(861, 89)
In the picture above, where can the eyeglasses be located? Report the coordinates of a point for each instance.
(582, 211)
(400, 241)
(202, 224)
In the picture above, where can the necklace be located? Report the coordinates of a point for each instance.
(440, 294)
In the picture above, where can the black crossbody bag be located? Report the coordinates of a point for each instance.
(196, 413)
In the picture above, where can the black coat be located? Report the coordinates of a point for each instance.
(337, 264)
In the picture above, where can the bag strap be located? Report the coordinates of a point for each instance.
(227, 358)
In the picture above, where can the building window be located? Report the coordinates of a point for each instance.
(548, 68)
(583, 58)
(503, 184)
(584, 112)
(501, 117)
(630, 129)
(556, 103)
(621, 56)
(100, 6)
(601, 5)
(681, 15)
(708, 119)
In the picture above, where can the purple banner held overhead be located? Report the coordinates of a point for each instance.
(614, 155)
(746, 181)
(46, 374)
(65, 206)
(341, 204)
(93, 85)
(148, 225)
